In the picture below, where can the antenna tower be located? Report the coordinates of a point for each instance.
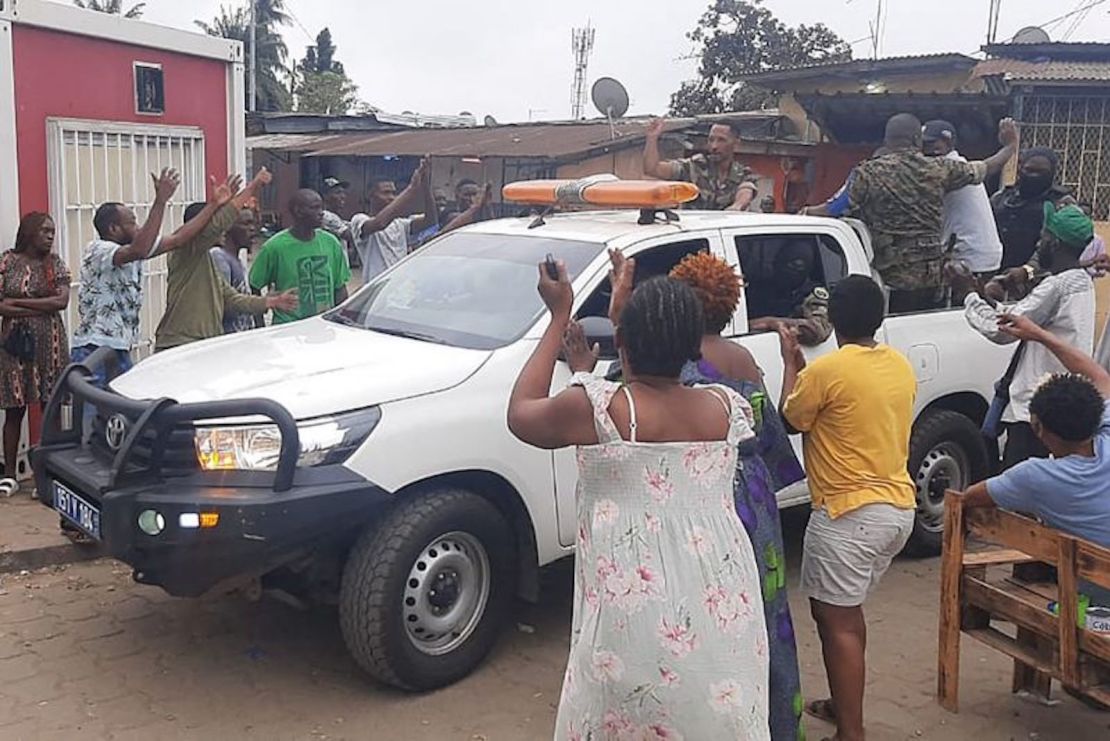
(992, 20)
(582, 44)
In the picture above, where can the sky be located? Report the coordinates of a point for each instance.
(512, 58)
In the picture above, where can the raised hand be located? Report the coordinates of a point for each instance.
(166, 184)
(1007, 133)
(622, 277)
(655, 128)
(580, 357)
(792, 355)
(557, 293)
(224, 192)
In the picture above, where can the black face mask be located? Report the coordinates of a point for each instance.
(1034, 185)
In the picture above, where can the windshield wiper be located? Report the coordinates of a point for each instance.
(340, 318)
(407, 334)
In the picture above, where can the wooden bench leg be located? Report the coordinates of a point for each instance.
(1026, 678)
(948, 654)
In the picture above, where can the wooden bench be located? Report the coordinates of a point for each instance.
(1001, 597)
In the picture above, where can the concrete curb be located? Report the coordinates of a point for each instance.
(54, 555)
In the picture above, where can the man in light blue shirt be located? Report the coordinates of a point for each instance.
(1070, 413)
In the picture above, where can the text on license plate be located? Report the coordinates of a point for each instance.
(78, 511)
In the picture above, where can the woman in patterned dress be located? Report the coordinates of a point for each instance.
(34, 291)
(668, 638)
(767, 464)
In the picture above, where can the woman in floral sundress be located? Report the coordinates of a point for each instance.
(668, 637)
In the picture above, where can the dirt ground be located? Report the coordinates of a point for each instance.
(86, 653)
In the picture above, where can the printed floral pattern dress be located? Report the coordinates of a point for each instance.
(668, 638)
(23, 383)
(767, 464)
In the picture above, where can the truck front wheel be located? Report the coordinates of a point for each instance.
(425, 589)
(946, 452)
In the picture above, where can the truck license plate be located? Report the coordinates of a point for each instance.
(77, 510)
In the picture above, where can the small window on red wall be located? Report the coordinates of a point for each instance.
(150, 92)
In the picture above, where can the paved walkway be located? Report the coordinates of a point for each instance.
(84, 652)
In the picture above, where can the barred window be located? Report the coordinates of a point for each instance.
(1077, 127)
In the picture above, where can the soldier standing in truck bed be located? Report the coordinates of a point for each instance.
(900, 197)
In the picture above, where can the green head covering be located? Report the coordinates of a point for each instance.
(1068, 224)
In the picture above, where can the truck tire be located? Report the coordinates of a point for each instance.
(425, 589)
(946, 452)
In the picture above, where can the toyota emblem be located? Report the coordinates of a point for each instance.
(115, 431)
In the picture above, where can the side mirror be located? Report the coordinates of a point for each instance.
(600, 330)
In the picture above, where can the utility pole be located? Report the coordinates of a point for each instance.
(992, 20)
(582, 43)
(877, 30)
(253, 94)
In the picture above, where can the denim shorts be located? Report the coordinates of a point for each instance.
(844, 559)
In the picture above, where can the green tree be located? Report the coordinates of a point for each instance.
(327, 93)
(735, 38)
(233, 22)
(322, 85)
(115, 7)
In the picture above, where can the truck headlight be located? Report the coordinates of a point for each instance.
(324, 441)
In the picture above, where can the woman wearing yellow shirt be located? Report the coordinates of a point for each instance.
(854, 408)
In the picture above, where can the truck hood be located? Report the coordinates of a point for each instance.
(313, 368)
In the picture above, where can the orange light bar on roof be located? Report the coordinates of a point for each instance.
(601, 191)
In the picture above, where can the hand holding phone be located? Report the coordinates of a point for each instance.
(551, 267)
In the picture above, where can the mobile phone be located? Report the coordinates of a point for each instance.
(551, 267)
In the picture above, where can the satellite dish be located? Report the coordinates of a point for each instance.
(1032, 35)
(610, 97)
(489, 121)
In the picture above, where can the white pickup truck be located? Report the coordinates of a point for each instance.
(364, 455)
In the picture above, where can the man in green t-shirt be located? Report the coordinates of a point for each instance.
(304, 257)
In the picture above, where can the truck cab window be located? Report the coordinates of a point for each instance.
(650, 263)
(781, 270)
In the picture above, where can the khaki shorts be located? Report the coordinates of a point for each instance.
(844, 559)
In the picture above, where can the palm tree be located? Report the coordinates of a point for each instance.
(115, 7)
(234, 23)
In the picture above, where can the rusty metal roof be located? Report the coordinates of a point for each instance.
(1019, 70)
(545, 140)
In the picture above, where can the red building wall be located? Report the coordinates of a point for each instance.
(68, 76)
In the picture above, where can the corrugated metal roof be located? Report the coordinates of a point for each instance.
(1019, 70)
(547, 140)
(886, 64)
(298, 142)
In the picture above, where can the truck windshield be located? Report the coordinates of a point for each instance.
(466, 289)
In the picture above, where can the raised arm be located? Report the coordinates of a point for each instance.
(430, 217)
(165, 185)
(654, 166)
(206, 227)
(400, 205)
(535, 417)
(1008, 138)
(1072, 358)
(470, 215)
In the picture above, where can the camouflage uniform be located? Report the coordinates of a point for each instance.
(808, 307)
(900, 197)
(716, 194)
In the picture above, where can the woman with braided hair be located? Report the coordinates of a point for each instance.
(668, 636)
(767, 464)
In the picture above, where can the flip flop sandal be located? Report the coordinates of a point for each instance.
(822, 710)
(8, 487)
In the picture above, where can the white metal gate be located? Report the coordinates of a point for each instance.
(92, 162)
(1078, 128)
